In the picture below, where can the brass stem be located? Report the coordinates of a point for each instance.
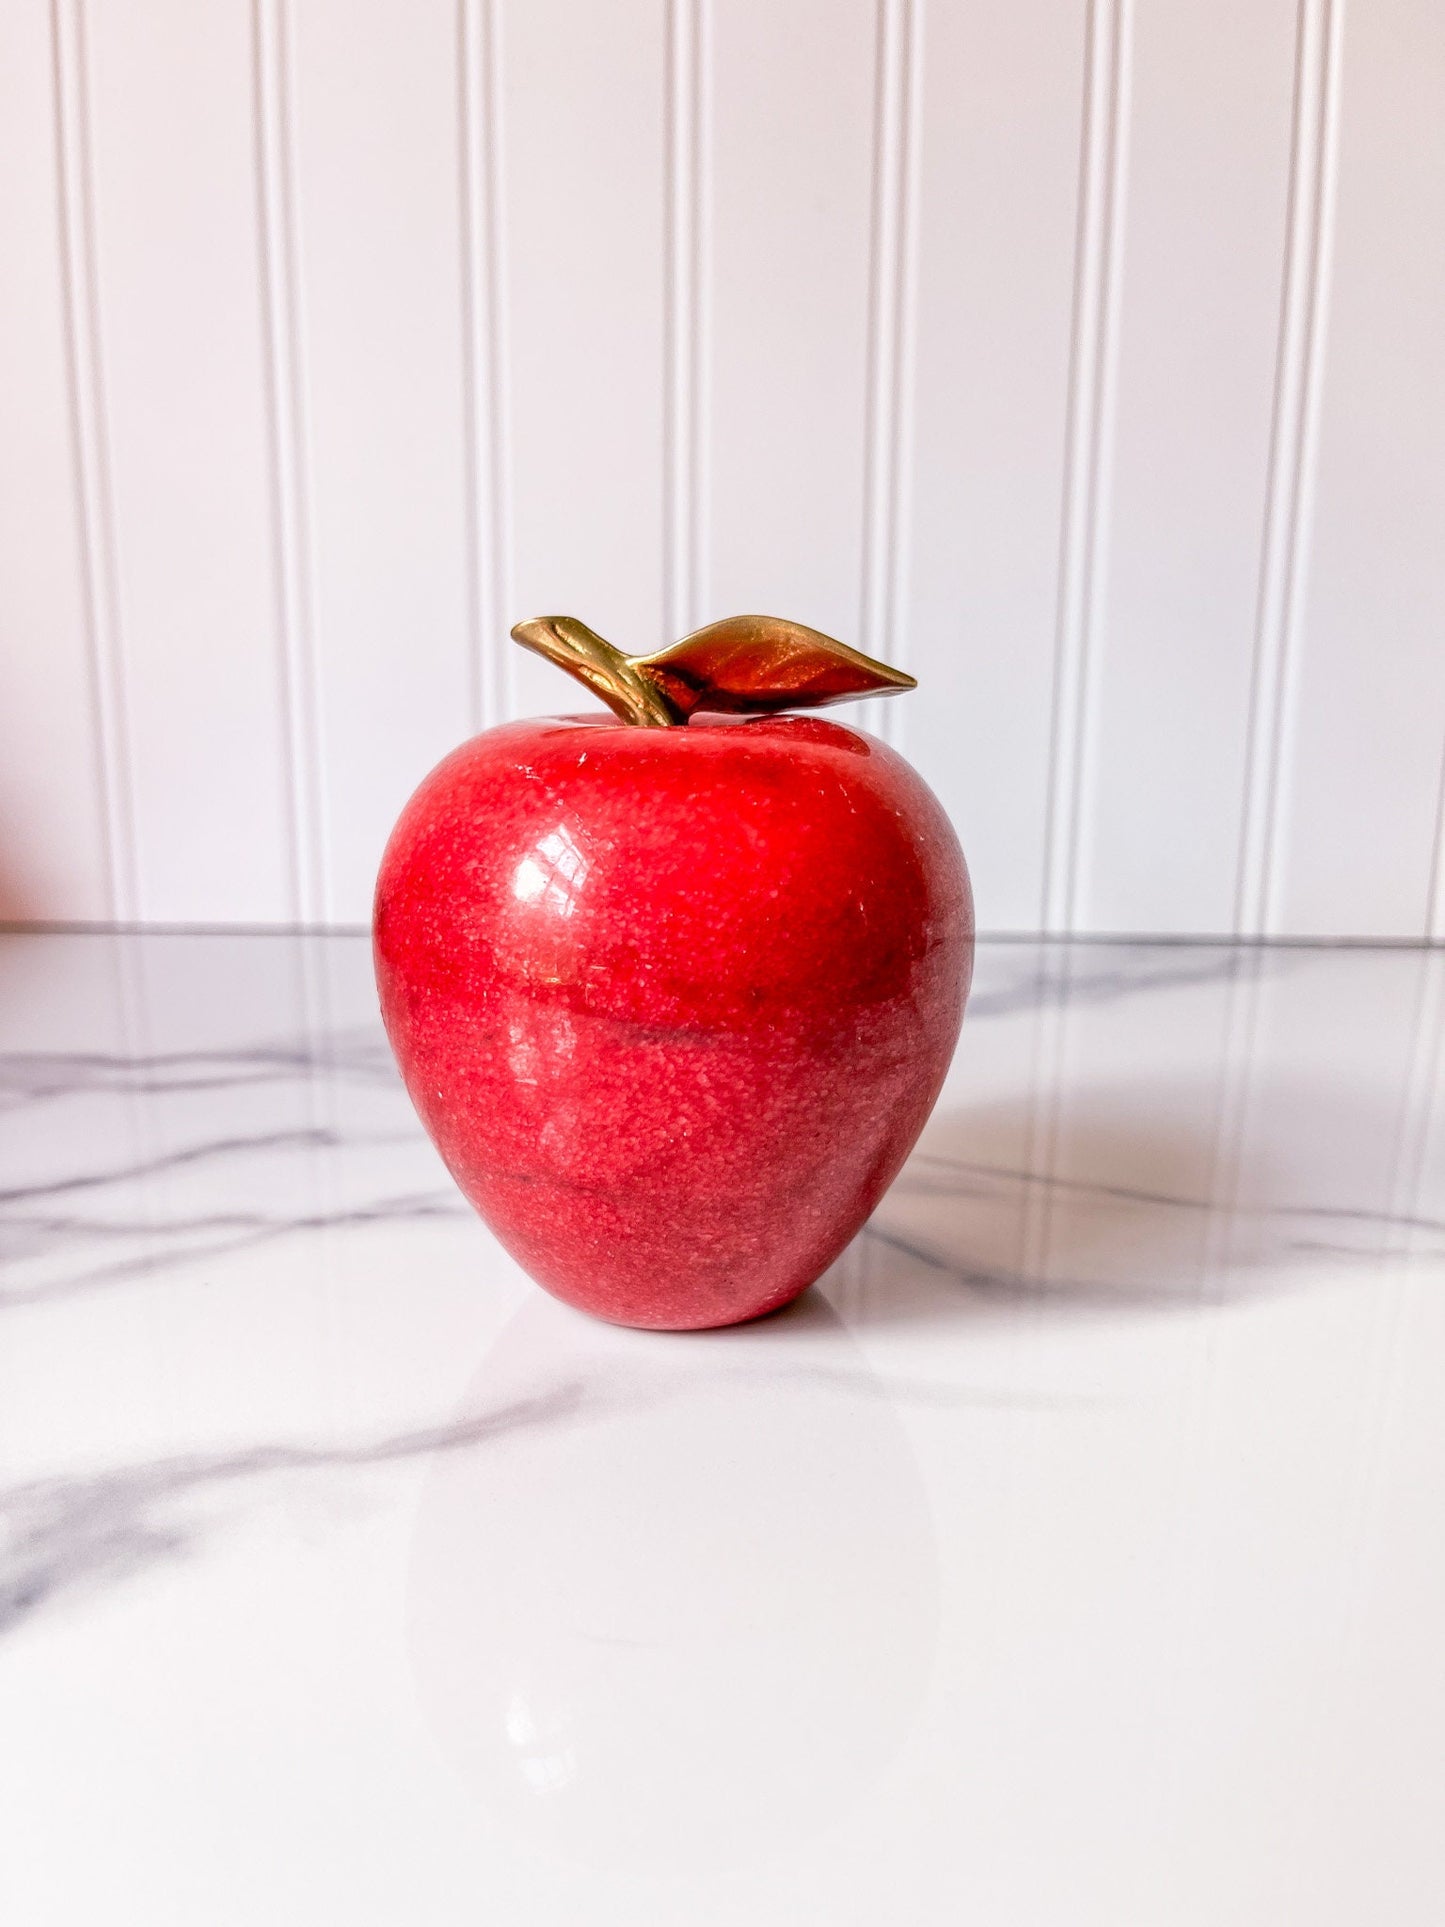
(604, 670)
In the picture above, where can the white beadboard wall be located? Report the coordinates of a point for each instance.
(1088, 359)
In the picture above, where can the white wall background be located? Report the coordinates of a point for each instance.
(1089, 360)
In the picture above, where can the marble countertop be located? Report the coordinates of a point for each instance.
(1074, 1554)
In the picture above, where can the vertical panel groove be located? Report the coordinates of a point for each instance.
(1293, 437)
(483, 360)
(1435, 909)
(1086, 478)
(905, 383)
(702, 318)
(481, 643)
(91, 456)
(289, 474)
(681, 295)
(890, 333)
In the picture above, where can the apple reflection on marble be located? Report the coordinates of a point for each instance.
(693, 1495)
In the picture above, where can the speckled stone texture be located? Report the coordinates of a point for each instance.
(674, 1004)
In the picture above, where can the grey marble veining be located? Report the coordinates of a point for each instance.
(1021, 977)
(65, 1536)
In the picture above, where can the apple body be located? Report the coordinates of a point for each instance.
(674, 1004)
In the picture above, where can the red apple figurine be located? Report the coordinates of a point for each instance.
(674, 992)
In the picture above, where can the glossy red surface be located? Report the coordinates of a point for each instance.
(674, 1004)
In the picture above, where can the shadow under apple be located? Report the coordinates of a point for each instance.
(1149, 1204)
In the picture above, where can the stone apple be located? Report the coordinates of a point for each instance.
(674, 989)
